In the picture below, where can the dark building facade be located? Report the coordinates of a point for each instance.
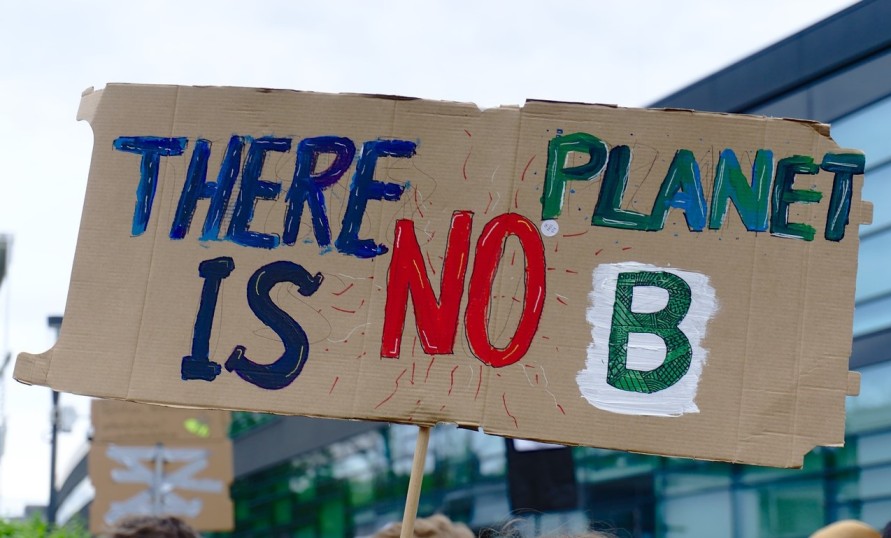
(307, 478)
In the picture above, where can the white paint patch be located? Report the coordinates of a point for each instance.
(645, 351)
(550, 228)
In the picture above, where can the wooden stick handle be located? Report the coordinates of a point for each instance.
(414, 483)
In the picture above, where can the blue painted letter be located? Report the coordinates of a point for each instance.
(307, 187)
(152, 148)
(286, 368)
(681, 189)
(364, 188)
(252, 187)
(198, 365)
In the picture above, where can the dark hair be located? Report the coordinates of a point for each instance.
(886, 532)
(153, 527)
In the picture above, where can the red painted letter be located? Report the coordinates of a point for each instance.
(437, 321)
(489, 250)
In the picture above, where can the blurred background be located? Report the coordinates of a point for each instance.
(828, 60)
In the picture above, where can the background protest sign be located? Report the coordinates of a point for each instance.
(667, 282)
(154, 460)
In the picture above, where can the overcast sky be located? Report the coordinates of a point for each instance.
(491, 53)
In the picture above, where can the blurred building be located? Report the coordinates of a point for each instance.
(310, 478)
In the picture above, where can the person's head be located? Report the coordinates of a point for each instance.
(512, 529)
(436, 526)
(848, 528)
(886, 532)
(153, 527)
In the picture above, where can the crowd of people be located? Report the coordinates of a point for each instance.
(439, 526)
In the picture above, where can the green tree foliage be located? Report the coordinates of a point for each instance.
(38, 528)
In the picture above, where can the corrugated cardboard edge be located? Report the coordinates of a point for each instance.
(89, 102)
(33, 369)
(853, 386)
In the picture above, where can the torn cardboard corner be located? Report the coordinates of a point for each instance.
(663, 282)
(154, 460)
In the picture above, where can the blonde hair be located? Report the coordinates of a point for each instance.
(436, 526)
(848, 528)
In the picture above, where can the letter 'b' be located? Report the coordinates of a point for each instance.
(659, 306)
(663, 324)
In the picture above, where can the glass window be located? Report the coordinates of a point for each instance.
(781, 509)
(868, 129)
(697, 516)
(704, 477)
(875, 259)
(872, 408)
(874, 449)
(877, 189)
(872, 316)
(877, 513)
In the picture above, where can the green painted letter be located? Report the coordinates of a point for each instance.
(845, 166)
(663, 324)
(751, 201)
(608, 211)
(557, 175)
(784, 195)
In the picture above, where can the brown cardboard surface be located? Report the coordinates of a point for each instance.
(212, 510)
(771, 312)
(134, 437)
(118, 420)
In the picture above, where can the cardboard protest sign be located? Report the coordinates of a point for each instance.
(153, 460)
(667, 282)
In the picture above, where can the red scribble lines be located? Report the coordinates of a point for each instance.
(598, 252)
(536, 379)
(452, 379)
(417, 405)
(336, 379)
(626, 248)
(486, 212)
(514, 299)
(387, 399)
(571, 272)
(556, 244)
(417, 204)
(346, 311)
(432, 269)
(429, 366)
(506, 410)
(575, 234)
(560, 407)
(414, 342)
(513, 258)
(523, 175)
(479, 384)
(341, 292)
(412, 378)
(516, 204)
(468, 133)
(560, 300)
(464, 166)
